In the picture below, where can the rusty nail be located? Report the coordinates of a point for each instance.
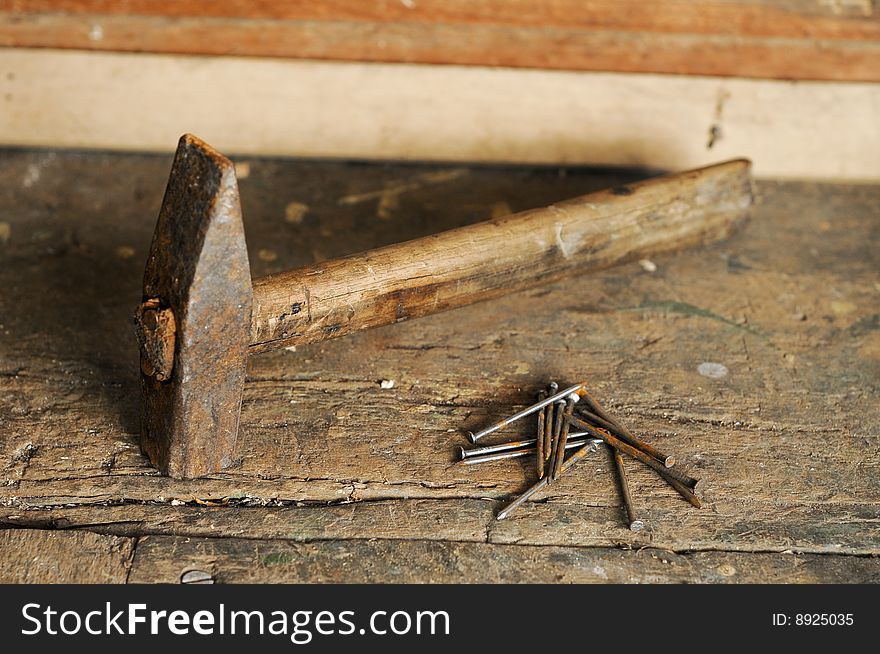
(683, 490)
(563, 436)
(507, 446)
(539, 440)
(576, 456)
(556, 439)
(634, 523)
(625, 435)
(604, 419)
(548, 425)
(634, 452)
(576, 440)
(577, 389)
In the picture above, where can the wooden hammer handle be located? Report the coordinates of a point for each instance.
(482, 261)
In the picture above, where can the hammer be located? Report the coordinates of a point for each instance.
(201, 315)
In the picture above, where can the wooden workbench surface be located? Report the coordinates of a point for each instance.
(340, 479)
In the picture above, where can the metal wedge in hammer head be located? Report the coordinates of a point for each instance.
(201, 314)
(193, 324)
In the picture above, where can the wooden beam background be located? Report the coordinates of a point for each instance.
(779, 39)
(53, 98)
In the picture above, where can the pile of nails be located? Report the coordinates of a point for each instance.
(558, 412)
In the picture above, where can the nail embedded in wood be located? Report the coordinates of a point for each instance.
(553, 387)
(634, 523)
(539, 436)
(566, 411)
(576, 456)
(636, 453)
(573, 444)
(577, 388)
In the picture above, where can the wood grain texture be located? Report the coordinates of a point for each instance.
(233, 560)
(439, 113)
(30, 556)
(786, 442)
(47, 556)
(461, 266)
(772, 39)
(816, 18)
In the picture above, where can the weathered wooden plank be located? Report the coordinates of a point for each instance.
(560, 518)
(784, 40)
(392, 519)
(30, 556)
(439, 113)
(40, 556)
(786, 441)
(229, 560)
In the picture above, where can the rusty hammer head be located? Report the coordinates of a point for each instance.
(193, 324)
